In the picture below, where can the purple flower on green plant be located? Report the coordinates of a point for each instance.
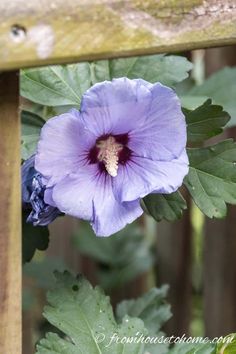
(127, 140)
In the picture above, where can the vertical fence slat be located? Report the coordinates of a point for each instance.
(174, 261)
(220, 275)
(220, 240)
(10, 226)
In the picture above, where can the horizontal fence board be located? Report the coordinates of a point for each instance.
(10, 217)
(34, 32)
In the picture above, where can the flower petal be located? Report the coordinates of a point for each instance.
(74, 194)
(111, 216)
(88, 195)
(63, 146)
(48, 196)
(27, 174)
(163, 134)
(141, 176)
(115, 107)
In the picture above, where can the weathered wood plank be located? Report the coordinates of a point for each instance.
(10, 240)
(48, 32)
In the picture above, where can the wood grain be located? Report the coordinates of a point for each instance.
(34, 33)
(10, 240)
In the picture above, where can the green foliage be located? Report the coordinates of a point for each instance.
(151, 68)
(33, 238)
(121, 258)
(221, 87)
(42, 271)
(85, 322)
(193, 348)
(61, 85)
(165, 206)
(227, 345)
(31, 125)
(212, 177)
(157, 348)
(152, 309)
(205, 121)
(56, 85)
(85, 316)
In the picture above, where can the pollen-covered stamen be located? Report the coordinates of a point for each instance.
(109, 154)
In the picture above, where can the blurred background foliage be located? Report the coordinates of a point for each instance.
(194, 256)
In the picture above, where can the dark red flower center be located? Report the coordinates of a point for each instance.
(110, 151)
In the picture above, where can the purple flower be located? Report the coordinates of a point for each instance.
(33, 191)
(128, 140)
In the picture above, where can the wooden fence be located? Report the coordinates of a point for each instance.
(34, 33)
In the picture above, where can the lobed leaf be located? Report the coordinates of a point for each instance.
(84, 314)
(64, 85)
(134, 256)
(153, 310)
(212, 177)
(165, 206)
(56, 85)
(221, 87)
(150, 307)
(205, 121)
(193, 348)
(153, 68)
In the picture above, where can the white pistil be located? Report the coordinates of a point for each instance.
(109, 154)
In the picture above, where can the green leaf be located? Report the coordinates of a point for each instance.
(212, 177)
(165, 206)
(64, 85)
(193, 348)
(165, 69)
(31, 125)
(41, 270)
(157, 348)
(183, 87)
(84, 314)
(100, 71)
(153, 310)
(134, 256)
(192, 102)
(221, 87)
(28, 145)
(205, 121)
(150, 307)
(33, 238)
(56, 85)
(227, 345)
(53, 344)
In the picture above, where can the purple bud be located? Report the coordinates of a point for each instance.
(33, 191)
